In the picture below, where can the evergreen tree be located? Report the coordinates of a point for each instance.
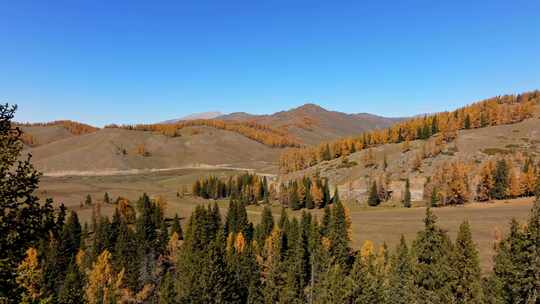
(334, 286)
(432, 267)
(516, 264)
(106, 198)
(368, 284)
(72, 290)
(407, 195)
(339, 236)
(167, 291)
(401, 279)
(434, 199)
(373, 197)
(466, 273)
(335, 198)
(88, 200)
(24, 221)
(177, 227)
(265, 227)
(500, 176)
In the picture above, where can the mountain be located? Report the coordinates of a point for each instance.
(54, 149)
(313, 124)
(194, 116)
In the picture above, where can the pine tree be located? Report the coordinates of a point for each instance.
(401, 277)
(167, 291)
(72, 290)
(340, 234)
(335, 198)
(177, 227)
(500, 175)
(106, 198)
(24, 221)
(514, 266)
(266, 225)
(368, 286)
(434, 199)
(88, 200)
(432, 248)
(407, 195)
(466, 273)
(334, 286)
(373, 198)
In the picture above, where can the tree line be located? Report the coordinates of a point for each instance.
(261, 133)
(247, 188)
(74, 127)
(289, 260)
(506, 109)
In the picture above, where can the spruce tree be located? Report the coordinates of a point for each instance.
(373, 197)
(339, 236)
(167, 290)
(88, 200)
(432, 253)
(106, 198)
(266, 225)
(24, 221)
(407, 195)
(177, 227)
(465, 265)
(501, 175)
(72, 290)
(401, 279)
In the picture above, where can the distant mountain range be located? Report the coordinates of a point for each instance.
(194, 116)
(310, 123)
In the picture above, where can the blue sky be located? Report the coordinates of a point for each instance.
(146, 61)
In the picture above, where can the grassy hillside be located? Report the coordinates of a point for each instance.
(119, 149)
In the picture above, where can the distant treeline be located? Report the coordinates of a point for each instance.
(261, 133)
(75, 128)
(499, 110)
(307, 192)
(247, 188)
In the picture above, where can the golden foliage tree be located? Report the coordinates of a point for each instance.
(103, 284)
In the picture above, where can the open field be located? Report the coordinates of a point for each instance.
(378, 224)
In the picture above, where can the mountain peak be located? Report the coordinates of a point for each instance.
(310, 107)
(194, 116)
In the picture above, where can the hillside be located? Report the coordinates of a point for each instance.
(389, 165)
(313, 124)
(119, 149)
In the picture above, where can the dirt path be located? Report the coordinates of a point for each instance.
(113, 172)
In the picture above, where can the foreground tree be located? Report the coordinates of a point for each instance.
(466, 280)
(23, 220)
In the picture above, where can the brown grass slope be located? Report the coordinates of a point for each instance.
(119, 149)
(314, 124)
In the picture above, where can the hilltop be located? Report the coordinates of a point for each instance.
(314, 124)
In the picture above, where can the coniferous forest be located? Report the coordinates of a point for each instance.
(139, 255)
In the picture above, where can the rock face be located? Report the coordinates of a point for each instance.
(358, 190)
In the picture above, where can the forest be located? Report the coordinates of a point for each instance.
(140, 256)
(261, 133)
(494, 111)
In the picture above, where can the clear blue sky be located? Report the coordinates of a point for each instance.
(146, 61)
